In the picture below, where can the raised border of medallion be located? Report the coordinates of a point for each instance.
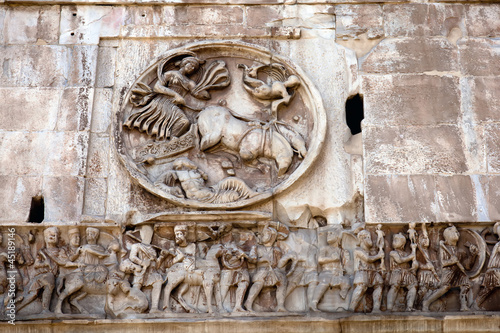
(309, 93)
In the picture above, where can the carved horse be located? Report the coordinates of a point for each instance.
(78, 285)
(207, 275)
(251, 140)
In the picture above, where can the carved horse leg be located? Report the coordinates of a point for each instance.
(74, 301)
(182, 290)
(281, 152)
(73, 284)
(173, 281)
(209, 281)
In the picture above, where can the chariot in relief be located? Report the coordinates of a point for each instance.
(220, 125)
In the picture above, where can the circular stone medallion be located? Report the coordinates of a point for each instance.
(220, 125)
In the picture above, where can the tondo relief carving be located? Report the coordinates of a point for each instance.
(220, 125)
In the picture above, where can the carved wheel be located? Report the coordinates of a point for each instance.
(220, 125)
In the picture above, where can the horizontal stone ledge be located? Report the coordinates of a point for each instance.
(320, 323)
(209, 2)
(218, 31)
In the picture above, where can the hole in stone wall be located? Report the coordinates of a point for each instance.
(321, 220)
(354, 113)
(37, 210)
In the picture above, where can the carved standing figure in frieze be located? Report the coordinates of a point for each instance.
(13, 263)
(402, 275)
(234, 272)
(145, 255)
(491, 279)
(184, 272)
(428, 279)
(453, 271)
(73, 248)
(304, 269)
(46, 270)
(331, 259)
(270, 261)
(368, 272)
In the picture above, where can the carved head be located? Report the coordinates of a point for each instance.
(51, 236)
(146, 232)
(128, 267)
(292, 82)
(412, 225)
(496, 229)
(190, 64)
(183, 163)
(268, 235)
(92, 235)
(451, 235)
(398, 241)
(424, 240)
(365, 238)
(180, 234)
(74, 237)
(114, 246)
(333, 237)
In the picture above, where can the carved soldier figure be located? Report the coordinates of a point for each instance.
(91, 254)
(45, 271)
(368, 272)
(331, 260)
(90, 274)
(183, 262)
(269, 259)
(134, 300)
(453, 272)
(12, 266)
(402, 275)
(428, 280)
(304, 271)
(491, 279)
(145, 255)
(73, 248)
(234, 272)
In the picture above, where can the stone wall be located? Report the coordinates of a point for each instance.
(427, 73)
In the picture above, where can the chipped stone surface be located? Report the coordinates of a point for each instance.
(413, 20)
(32, 24)
(355, 20)
(75, 109)
(414, 150)
(95, 196)
(433, 198)
(15, 196)
(411, 99)
(492, 133)
(63, 198)
(480, 56)
(485, 98)
(483, 20)
(23, 101)
(412, 55)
